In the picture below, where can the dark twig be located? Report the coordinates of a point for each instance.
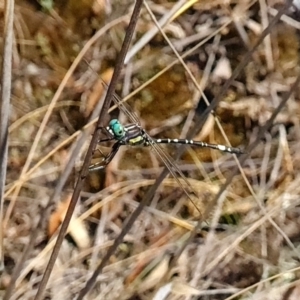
(242, 160)
(88, 157)
(244, 61)
(128, 224)
(61, 181)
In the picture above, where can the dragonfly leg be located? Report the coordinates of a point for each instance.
(107, 133)
(101, 165)
(105, 140)
(100, 152)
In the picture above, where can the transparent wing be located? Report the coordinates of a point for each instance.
(165, 158)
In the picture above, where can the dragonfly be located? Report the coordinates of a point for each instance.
(134, 135)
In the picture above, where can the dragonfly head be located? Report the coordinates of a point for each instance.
(117, 129)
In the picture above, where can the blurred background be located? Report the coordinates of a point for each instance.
(63, 51)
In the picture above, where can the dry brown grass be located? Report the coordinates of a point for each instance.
(248, 248)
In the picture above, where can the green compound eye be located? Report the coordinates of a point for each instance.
(117, 129)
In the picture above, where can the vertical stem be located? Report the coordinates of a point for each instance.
(4, 108)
